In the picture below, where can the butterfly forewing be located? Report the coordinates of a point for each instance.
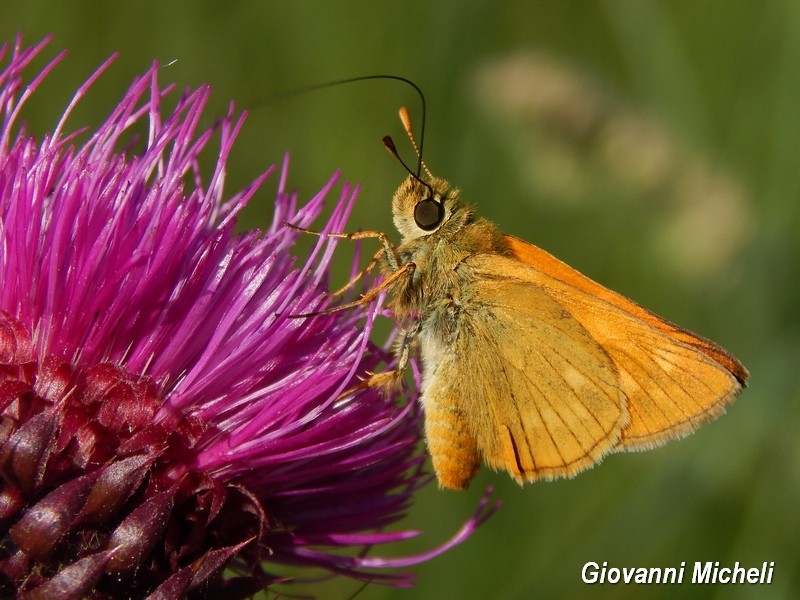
(672, 379)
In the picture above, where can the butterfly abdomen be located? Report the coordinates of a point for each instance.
(452, 448)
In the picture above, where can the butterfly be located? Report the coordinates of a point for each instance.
(529, 366)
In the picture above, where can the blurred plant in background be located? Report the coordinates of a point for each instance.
(574, 142)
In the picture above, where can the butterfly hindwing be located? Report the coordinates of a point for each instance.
(525, 383)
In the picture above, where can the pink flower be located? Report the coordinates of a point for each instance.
(162, 414)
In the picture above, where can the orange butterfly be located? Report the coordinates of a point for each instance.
(528, 365)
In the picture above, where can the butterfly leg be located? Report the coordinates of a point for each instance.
(367, 297)
(388, 381)
(392, 256)
(389, 251)
(360, 274)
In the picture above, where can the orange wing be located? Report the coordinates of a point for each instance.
(673, 379)
(520, 384)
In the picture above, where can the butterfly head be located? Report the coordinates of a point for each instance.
(421, 208)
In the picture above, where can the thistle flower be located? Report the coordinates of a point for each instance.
(163, 415)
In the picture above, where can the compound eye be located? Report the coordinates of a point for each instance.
(428, 214)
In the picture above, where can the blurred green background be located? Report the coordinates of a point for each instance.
(652, 145)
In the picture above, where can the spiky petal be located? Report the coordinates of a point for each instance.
(163, 415)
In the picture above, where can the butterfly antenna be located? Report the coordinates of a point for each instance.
(389, 143)
(406, 120)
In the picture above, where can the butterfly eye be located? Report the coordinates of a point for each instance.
(428, 214)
